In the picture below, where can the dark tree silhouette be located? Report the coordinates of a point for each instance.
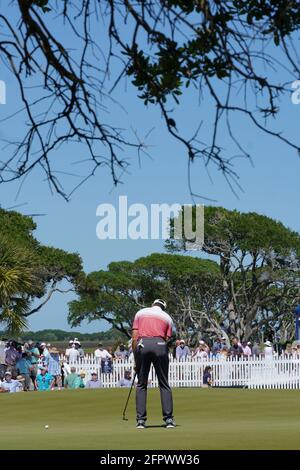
(241, 53)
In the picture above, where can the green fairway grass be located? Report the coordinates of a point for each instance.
(206, 418)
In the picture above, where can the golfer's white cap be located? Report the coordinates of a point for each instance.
(43, 344)
(161, 302)
(7, 373)
(201, 341)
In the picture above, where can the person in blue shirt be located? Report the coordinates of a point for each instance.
(23, 366)
(34, 355)
(126, 381)
(44, 380)
(182, 351)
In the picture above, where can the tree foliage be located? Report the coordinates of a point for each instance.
(259, 262)
(191, 288)
(29, 270)
(239, 53)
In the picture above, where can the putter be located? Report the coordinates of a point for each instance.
(124, 412)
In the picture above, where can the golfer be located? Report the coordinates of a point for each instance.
(152, 328)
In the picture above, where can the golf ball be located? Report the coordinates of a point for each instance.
(46, 426)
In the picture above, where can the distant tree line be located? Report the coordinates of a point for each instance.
(49, 335)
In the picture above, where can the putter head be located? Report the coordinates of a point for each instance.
(125, 419)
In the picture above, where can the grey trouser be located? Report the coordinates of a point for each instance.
(155, 351)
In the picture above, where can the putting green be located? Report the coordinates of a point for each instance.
(207, 419)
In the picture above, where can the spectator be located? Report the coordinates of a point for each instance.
(106, 366)
(2, 359)
(33, 355)
(246, 348)
(236, 349)
(73, 354)
(202, 351)
(256, 350)
(71, 342)
(10, 385)
(101, 353)
(11, 357)
(82, 379)
(224, 343)
(268, 350)
(288, 350)
(122, 353)
(78, 347)
(72, 380)
(23, 366)
(182, 351)
(44, 358)
(54, 367)
(207, 378)
(177, 343)
(223, 354)
(126, 381)
(216, 347)
(94, 382)
(111, 353)
(44, 380)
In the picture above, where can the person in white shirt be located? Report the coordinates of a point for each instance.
(202, 352)
(268, 350)
(246, 348)
(101, 353)
(10, 385)
(73, 354)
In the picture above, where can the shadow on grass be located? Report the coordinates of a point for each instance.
(159, 426)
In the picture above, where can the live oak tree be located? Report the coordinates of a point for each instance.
(259, 264)
(190, 286)
(66, 58)
(30, 273)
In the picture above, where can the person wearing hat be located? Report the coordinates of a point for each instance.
(94, 382)
(268, 350)
(151, 330)
(54, 368)
(182, 351)
(44, 358)
(9, 384)
(202, 352)
(82, 379)
(44, 380)
(78, 348)
(122, 353)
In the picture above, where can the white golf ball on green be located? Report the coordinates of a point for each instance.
(46, 426)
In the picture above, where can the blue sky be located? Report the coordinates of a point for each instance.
(271, 187)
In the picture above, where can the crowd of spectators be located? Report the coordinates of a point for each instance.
(221, 349)
(40, 366)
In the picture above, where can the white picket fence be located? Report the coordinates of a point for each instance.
(253, 372)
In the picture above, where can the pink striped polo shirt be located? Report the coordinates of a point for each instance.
(151, 322)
